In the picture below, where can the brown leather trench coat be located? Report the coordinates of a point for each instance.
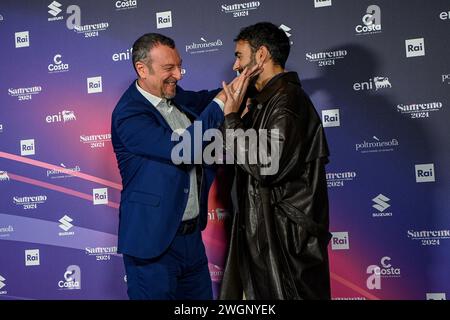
(279, 235)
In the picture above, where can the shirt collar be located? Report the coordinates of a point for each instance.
(154, 100)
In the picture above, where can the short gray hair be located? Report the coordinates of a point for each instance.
(145, 43)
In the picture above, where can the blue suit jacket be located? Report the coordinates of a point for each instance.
(155, 191)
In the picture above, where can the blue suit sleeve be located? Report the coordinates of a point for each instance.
(142, 134)
(196, 101)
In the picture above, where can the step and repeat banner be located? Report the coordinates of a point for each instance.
(377, 71)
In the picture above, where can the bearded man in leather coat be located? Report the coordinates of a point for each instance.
(279, 236)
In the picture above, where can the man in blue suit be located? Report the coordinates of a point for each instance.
(163, 206)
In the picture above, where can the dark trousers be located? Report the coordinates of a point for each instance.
(180, 273)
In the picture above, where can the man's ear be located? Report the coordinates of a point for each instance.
(141, 69)
(263, 54)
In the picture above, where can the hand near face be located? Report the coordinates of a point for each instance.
(235, 91)
(251, 73)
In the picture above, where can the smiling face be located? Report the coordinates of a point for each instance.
(161, 76)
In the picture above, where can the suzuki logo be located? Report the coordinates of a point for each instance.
(1, 282)
(66, 223)
(54, 8)
(381, 202)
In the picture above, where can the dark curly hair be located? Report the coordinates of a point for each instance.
(269, 35)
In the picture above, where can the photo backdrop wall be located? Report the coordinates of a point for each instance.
(377, 71)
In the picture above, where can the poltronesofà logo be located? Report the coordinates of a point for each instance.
(204, 46)
(377, 145)
(216, 272)
(6, 231)
(62, 172)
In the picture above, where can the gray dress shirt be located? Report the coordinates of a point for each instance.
(177, 120)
